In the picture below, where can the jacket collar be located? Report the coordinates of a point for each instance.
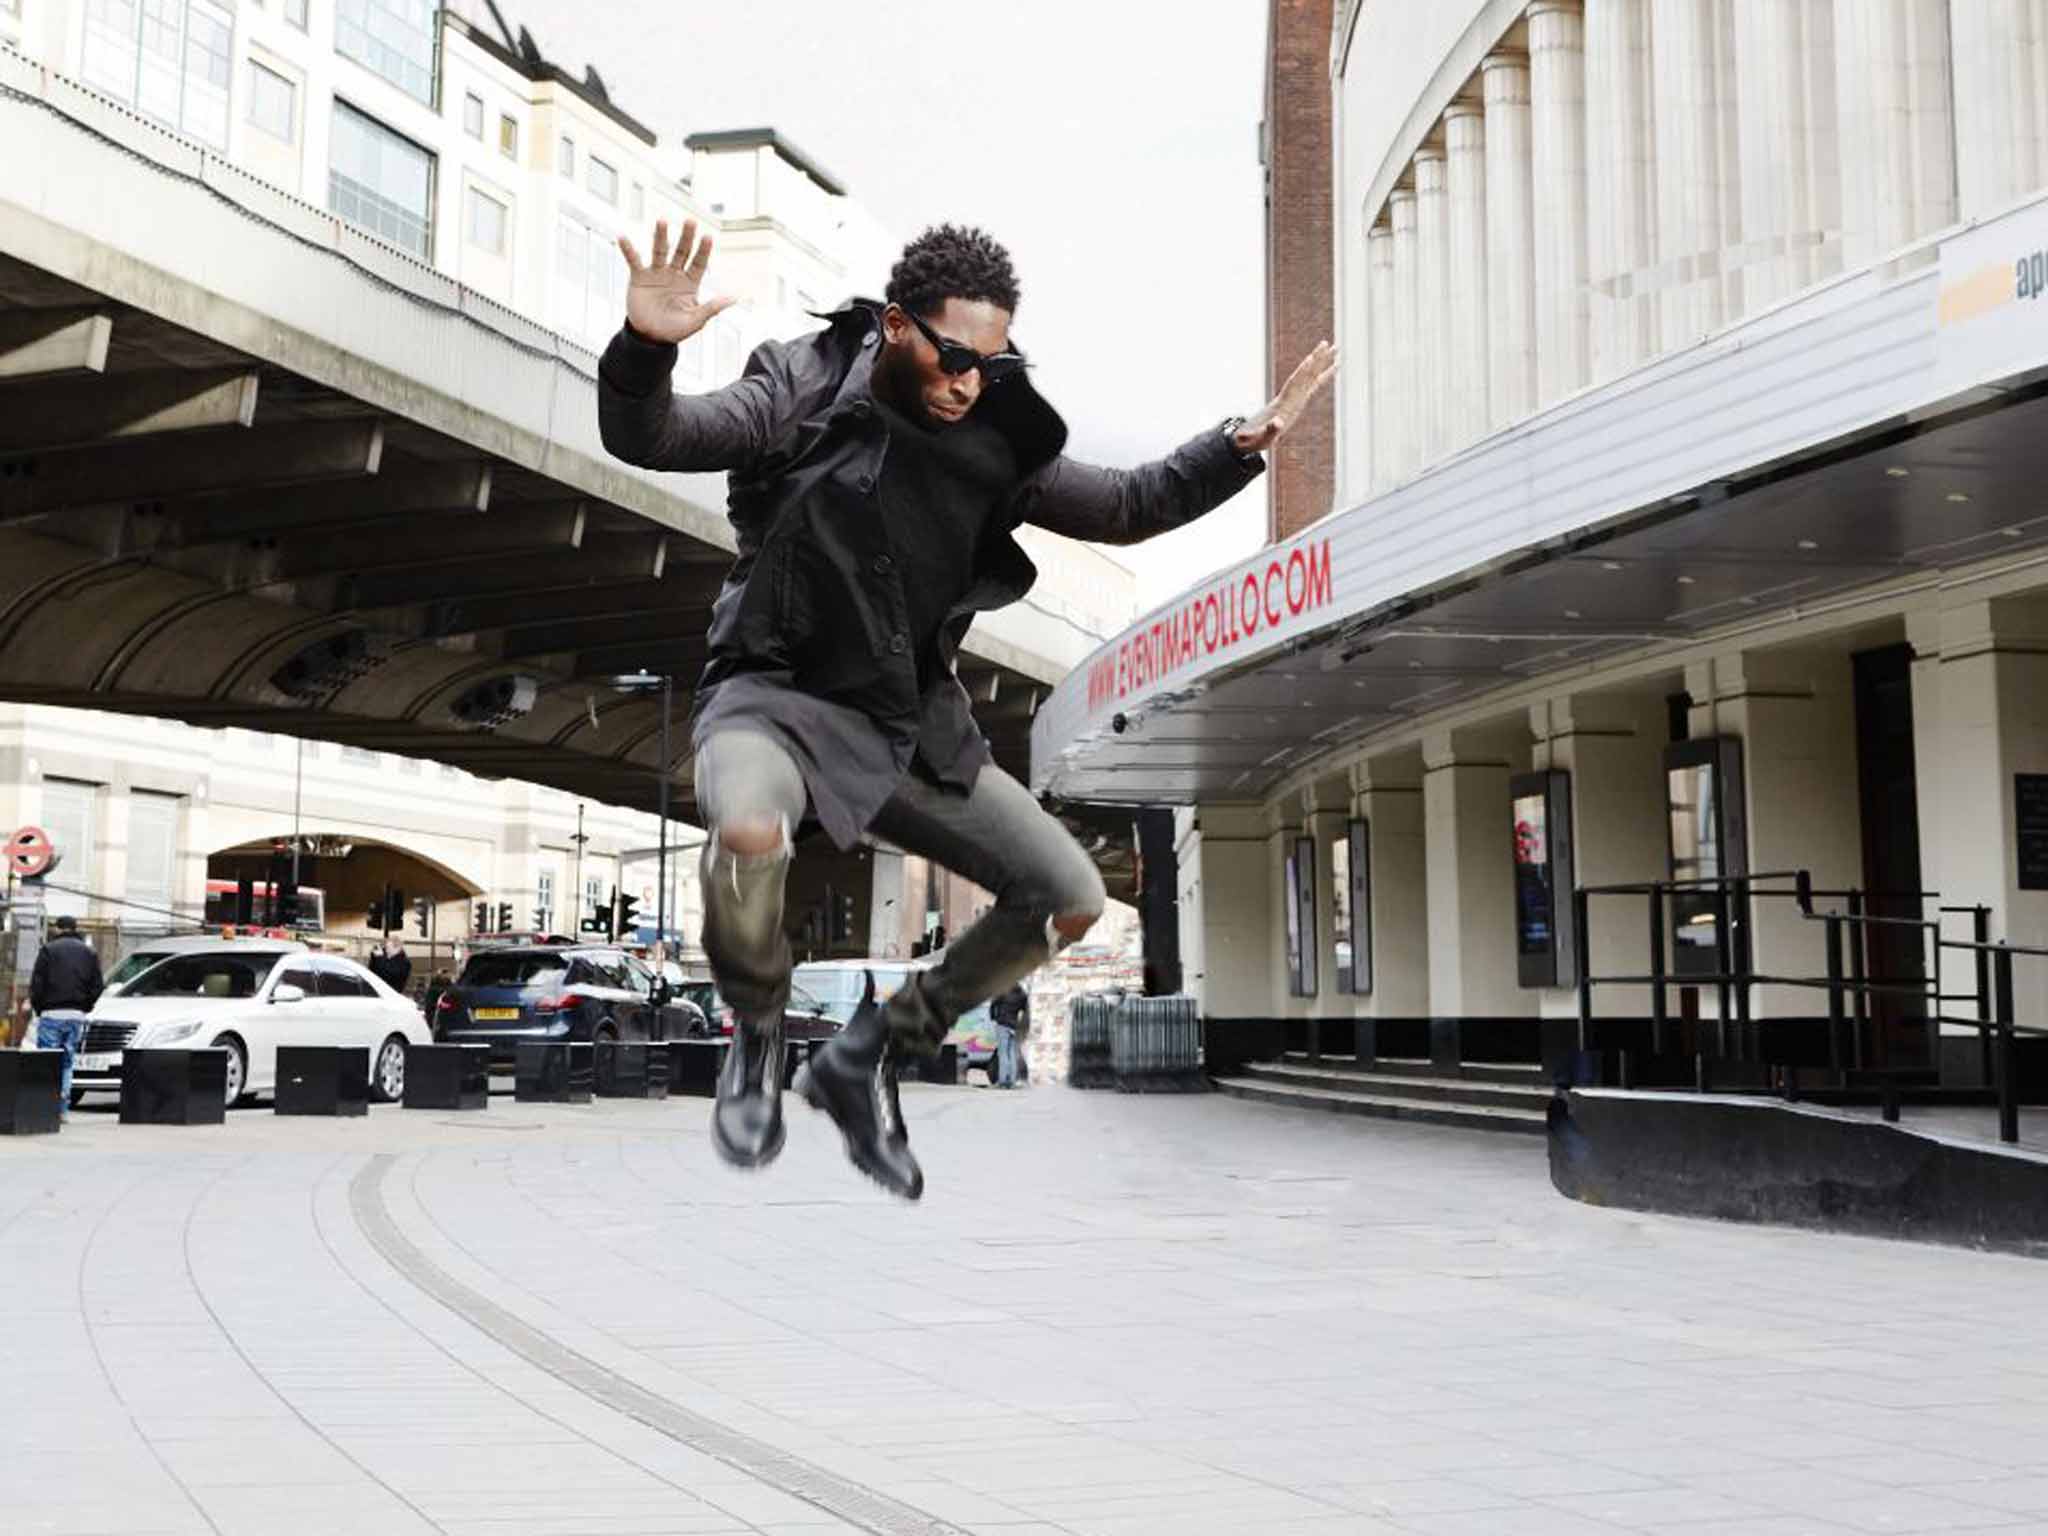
(1016, 409)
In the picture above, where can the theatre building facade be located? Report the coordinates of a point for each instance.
(1690, 525)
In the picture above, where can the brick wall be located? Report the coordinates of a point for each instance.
(1300, 297)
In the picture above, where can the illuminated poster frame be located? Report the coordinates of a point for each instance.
(1540, 820)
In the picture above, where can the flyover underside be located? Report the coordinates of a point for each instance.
(191, 531)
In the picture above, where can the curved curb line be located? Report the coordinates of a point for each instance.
(837, 1496)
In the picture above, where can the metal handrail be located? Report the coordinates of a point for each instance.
(1849, 985)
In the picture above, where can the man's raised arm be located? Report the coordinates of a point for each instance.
(640, 417)
(1125, 506)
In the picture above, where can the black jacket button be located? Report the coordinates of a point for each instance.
(884, 565)
(898, 644)
(866, 484)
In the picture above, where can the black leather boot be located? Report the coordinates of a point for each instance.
(853, 1079)
(746, 1123)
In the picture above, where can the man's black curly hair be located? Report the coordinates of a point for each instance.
(952, 262)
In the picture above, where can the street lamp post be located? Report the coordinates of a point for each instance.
(644, 682)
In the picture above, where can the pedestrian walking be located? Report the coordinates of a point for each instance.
(62, 989)
(878, 469)
(1011, 1012)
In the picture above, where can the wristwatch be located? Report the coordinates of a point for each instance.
(1230, 429)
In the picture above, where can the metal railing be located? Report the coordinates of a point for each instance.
(1851, 984)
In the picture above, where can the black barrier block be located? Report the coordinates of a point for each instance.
(1227, 1044)
(553, 1072)
(693, 1067)
(323, 1080)
(942, 1066)
(31, 1092)
(1762, 1160)
(631, 1069)
(174, 1087)
(447, 1076)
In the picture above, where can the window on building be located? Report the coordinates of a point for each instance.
(728, 352)
(169, 59)
(544, 901)
(295, 13)
(639, 206)
(590, 281)
(508, 136)
(473, 114)
(273, 103)
(70, 814)
(567, 163)
(604, 181)
(392, 38)
(152, 860)
(381, 181)
(485, 219)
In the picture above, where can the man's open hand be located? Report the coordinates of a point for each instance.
(663, 298)
(1262, 431)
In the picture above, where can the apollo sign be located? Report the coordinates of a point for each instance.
(1213, 621)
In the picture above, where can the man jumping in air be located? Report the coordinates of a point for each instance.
(877, 469)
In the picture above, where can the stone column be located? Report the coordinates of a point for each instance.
(1226, 916)
(1613, 747)
(1892, 89)
(1512, 254)
(1387, 796)
(1621, 183)
(1432, 311)
(1795, 714)
(1557, 91)
(1691, 241)
(1980, 716)
(1999, 101)
(1465, 379)
(1784, 56)
(1406, 395)
(1466, 829)
(1381, 407)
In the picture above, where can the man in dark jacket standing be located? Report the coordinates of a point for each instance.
(62, 988)
(877, 471)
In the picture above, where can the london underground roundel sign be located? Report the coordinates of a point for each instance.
(29, 852)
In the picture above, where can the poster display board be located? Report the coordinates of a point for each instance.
(1709, 843)
(1301, 918)
(1544, 940)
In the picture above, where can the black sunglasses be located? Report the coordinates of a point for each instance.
(957, 357)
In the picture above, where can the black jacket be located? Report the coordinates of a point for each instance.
(809, 635)
(66, 975)
(1012, 1008)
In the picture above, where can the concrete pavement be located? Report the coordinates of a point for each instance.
(1111, 1316)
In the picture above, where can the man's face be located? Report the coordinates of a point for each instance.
(913, 362)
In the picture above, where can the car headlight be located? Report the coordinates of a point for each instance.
(169, 1034)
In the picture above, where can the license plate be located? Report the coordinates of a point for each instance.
(97, 1061)
(494, 1013)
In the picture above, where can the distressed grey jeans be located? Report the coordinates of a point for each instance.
(997, 836)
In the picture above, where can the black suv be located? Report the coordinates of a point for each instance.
(558, 992)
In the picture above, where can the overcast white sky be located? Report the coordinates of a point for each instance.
(1110, 144)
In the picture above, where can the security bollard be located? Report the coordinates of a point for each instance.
(632, 1069)
(31, 1092)
(174, 1087)
(693, 1067)
(447, 1076)
(323, 1080)
(552, 1072)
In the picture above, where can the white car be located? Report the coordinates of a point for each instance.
(248, 998)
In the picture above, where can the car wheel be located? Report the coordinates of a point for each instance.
(387, 1077)
(238, 1068)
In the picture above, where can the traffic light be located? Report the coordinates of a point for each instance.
(480, 919)
(626, 917)
(504, 917)
(540, 920)
(393, 913)
(599, 919)
(842, 919)
(287, 902)
(423, 914)
(245, 901)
